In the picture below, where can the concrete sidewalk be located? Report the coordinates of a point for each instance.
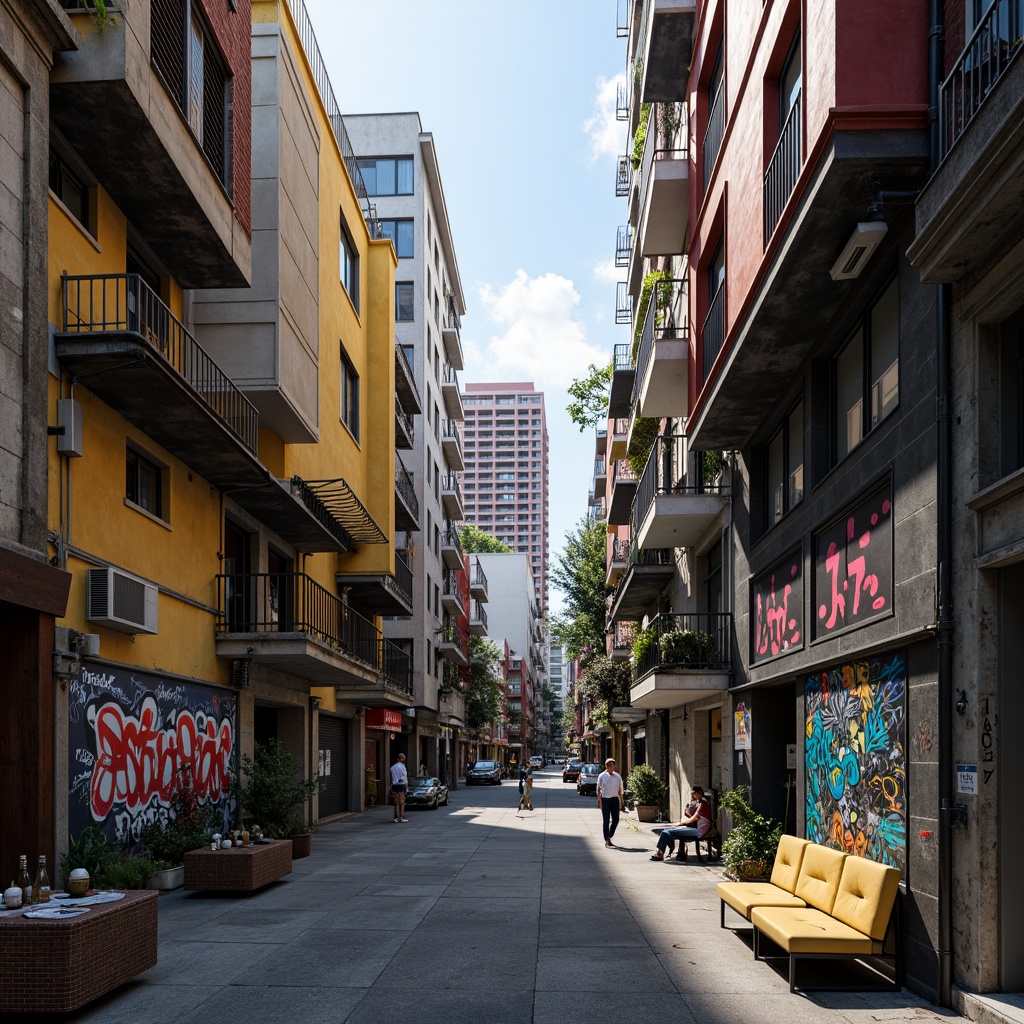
(473, 913)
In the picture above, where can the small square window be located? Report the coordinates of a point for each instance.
(144, 483)
(404, 306)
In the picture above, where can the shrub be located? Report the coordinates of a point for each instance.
(647, 786)
(643, 640)
(271, 795)
(686, 647)
(128, 872)
(187, 825)
(749, 849)
(92, 850)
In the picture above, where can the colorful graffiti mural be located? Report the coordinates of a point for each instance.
(129, 732)
(778, 609)
(855, 757)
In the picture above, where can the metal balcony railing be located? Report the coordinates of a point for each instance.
(667, 139)
(713, 332)
(667, 317)
(479, 576)
(288, 602)
(403, 572)
(124, 303)
(622, 472)
(450, 585)
(450, 432)
(665, 473)
(450, 376)
(622, 358)
(600, 468)
(623, 303)
(622, 102)
(689, 640)
(621, 425)
(715, 133)
(620, 550)
(452, 320)
(996, 40)
(452, 633)
(622, 635)
(450, 538)
(405, 419)
(623, 176)
(623, 245)
(406, 490)
(451, 483)
(784, 169)
(479, 614)
(622, 19)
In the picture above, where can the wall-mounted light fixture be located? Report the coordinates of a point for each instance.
(857, 251)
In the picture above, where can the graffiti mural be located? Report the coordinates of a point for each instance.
(855, 756)
(853, 567)
(128, 732)
(778, 609)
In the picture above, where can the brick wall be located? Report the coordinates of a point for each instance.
(955, 33)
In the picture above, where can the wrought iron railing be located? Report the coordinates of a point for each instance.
(715, 133)
(783, 170)
(621, 425)
(452, 320)
(667, 318)
(688, 640)
(403, 572)
(451, 539)
(713, 332)
(293, 603)
(479, 576)
(450, 376)
(403, 365)
(452, 633)
(622, 473)
(620, 550)
(600, 468)
(405, 420)
(622, 18)
(622, 102)
(622, 635)
(450, 585)
(623, 176)
(124, 303)
(622, 358)
(479, 613)
(667, 139)
(450, 432)
(450, 483)
(996, 40)
(665, 473)
(623, 303)
(406, 490)
(623, 245)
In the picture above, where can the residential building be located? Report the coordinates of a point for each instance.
(400, 168)
(506, 476)
(772, 512)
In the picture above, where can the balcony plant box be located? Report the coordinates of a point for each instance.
(168, 879)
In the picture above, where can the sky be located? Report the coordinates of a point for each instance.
(520, 98)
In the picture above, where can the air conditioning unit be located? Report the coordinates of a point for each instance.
(118, 600)
(857, 251)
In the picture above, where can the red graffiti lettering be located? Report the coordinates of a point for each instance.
(775, 630)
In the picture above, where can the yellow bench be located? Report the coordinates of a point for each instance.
(779, 892)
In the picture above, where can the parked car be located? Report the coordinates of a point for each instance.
(537, 761)
(571, 771)
(426, 791)
(484, 773)
(587, 781)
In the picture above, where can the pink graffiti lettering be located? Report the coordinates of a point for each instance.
(136, 760)
(776, 631)
(838, 601)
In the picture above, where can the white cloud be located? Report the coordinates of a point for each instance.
(607, 135)
(607, 272)
(539, 339)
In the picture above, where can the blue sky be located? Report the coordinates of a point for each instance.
(520, 98)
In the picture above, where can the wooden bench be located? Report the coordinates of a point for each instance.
(240, 869)
(838, 907)
(57, 966)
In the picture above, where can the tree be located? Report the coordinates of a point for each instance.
(606, 681)
(579, 573)
(476, 541)
(590, 392)
(483, 694)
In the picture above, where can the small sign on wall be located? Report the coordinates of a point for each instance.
(741, 737)
(967, 779)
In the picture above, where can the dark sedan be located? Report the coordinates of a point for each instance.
(571, 771)
(587, 782)
(426, 791)
(484, 773)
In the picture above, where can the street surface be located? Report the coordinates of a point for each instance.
(473, 914)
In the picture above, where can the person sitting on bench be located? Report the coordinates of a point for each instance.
(694, 824)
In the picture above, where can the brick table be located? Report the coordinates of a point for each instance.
(240, 869)
(59, 966)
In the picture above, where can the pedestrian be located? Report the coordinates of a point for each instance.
(526, 788)
(399, 784)
(695, 824)
(609, 799)
(522, 777)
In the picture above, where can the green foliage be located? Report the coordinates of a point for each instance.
(606, 680)
(483, 694)
(652, 280)
(92, 850)
(643, 641)
(579, 573)
(476, 541)
(590, 394)
(187, 826)
(712, 463)
(749, 849)
(686, 647)
(641, 441)
(98, 9)
(270, 789)
(640, 135)
(127, 872)
(569, 716)
(599, 714)
(647, 786)
(670, 118)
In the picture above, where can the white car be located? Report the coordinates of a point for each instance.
(537, 761)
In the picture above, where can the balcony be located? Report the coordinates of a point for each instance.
(451, 594)
(714, 134)
(600, 478)
(664, 183)
(620, 641)
(622, 102)
(451, 335)
(623, 304)
(288, 622)
(623, 177)
(381, 593)
(620, 436)
(451, 498)
(404, 430)
(969, 213)
(618, 559)
(624, 484)
(665, 46)
(690, 659)
(450, 393)
(623, 245)
(620, 396)
(477, 581)
(405, 380)
(783, 171)
(601, 440)
(646, 576)
(478, 619)
(171, 180)
(451, 445)
(671, 509)
(407, 506)
(453, 645)
(661, 384)
(451, 547)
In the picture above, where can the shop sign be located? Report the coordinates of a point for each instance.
(384, 718)
(853, 567)
(741, 735)
(129, 732)
(777, 608)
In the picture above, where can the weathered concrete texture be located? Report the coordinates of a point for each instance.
(472, 913)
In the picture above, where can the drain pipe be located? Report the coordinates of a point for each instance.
(944, 544)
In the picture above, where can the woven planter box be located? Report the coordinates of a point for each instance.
(240, 869)
(59, 966)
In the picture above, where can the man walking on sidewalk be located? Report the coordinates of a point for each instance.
(399, 783)
(609, 799)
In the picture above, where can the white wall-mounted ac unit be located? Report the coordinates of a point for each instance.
(118, 600)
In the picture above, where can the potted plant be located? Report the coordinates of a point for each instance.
(748, 852)
(271, 792)
(686, 647)
(185, 826)
(92, 850)
(649, 791)
(643, 641)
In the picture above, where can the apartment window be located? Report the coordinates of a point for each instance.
(716, 114)
(404, 301)
(185, 54)
(866, 373)
(784, 466)
(349, 265)
(784, 167)
(69, 189)
(401, 234)
(144, 483)
(387, 176)
(349, 395)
